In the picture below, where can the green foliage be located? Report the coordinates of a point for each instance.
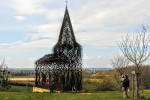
(14, 90)
(23, 88)
(108, 84)
(4, 74)
(2, 89)
(85, 73)
(102, 73)
(6, 88)
(4, 80)
(88, 86)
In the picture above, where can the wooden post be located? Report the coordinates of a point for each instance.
(142, 90)
(142, 85)
(136, 87)
(133, 79)
(133, 84)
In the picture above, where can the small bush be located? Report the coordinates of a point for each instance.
(89, 86)
(20, 84)
(14, 90)
(2, 89)
(108, 84)
(6, 88)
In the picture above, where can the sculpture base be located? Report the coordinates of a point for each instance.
(37, 89)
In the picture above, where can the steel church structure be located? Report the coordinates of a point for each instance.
(62, 70)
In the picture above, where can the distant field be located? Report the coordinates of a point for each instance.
(22, 79)
(33, 79)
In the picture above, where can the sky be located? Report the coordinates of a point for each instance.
(29, 29)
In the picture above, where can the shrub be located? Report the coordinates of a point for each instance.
(2, 89)
(14, 90)
(6, 88)
(21, 84)
(89, 86)
(108, 84)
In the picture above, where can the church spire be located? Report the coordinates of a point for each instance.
(66, 2)
(66, 32)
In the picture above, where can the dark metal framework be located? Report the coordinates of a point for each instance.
(62, 70)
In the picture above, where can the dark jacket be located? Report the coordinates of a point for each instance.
(125, 83)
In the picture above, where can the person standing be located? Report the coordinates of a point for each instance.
(125, 86)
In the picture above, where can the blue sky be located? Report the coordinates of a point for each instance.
(29, 28)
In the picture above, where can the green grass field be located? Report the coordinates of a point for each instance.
(108, 95)
(102, 95)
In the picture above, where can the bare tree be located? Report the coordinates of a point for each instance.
(120, 63)
(2, 64)
(136, 50)
(4, 73)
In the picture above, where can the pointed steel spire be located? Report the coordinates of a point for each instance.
(66, 2)
(66, 28)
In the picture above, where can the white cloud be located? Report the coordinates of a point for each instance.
(45, 31)
(111, 14)
(29, 6)
(25, 47)
(97, 61)
(97, 23)
(32, 59)
(20, 17)
(54, 15)
(20, 63)
(98, 39)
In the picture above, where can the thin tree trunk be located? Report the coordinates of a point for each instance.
(137, 86)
